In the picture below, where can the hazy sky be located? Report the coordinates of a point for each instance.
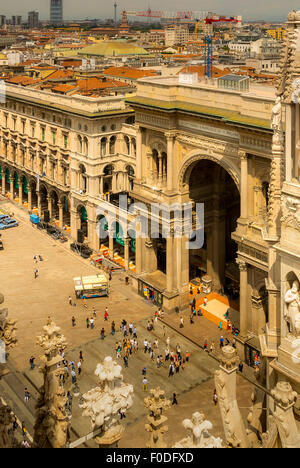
(250, 9)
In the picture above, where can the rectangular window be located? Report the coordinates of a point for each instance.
(65, 141)
(32, 131)
(43, 133)
(53, 138)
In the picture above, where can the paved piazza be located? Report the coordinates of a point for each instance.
(31, 301)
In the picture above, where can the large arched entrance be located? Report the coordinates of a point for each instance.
(209, 183)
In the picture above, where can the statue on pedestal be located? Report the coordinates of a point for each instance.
(7, 327)
(198, 435)
(276, 122)
(156, 403)
(105, 404)
(292, 310)
(51, 429)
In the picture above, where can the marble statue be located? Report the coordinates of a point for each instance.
(51, 429)
(7, 327)
(156, 403)
(105, 403)
(198, 435)
(276, 122)
(292, 310)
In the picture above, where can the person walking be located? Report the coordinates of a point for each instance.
(73, 374)
(36, 272)
(174, 399)
(113, 328)
(221, 342)
(205, 345)
(92, 323)
(187, 356)
(94, 312)
(79, 367)
(212, 347)
(106, 314)
(26, 395)
(171, 370)
(130, 328)
(24, 430)
(241, 366)
(102, 333)
(31, 361)
(215, 397)
(125, 359)
(181, 322)
(134, 332)
(70, 301)
(145, 384)
(87, 322)
(73, 321)
(80, 356)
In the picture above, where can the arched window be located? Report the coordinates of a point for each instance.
(82, 178)
(265, 192)
(130, 172)
(112, 145)
(103, 146)
(79, 144)
(107, 178)
(85, 145)
(126, 139)
(133, 146)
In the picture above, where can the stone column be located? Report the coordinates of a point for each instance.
(20, 193)
(139, 154)
(243, 296)
(61, 214)
(126, 252)
(49, 199)
(11, 188)
(170, 156)
(101, 184)
(160, 175)
(170, 263)
(39, 203)
(111, 244)
(138, 249)
(29, 198)
(3, 182)
(244, 184)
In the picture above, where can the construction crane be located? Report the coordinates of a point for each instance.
(208, 39)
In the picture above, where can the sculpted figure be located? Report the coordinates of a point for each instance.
(292, 312)
(276, 121)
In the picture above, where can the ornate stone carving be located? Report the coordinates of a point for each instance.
(292, 309)
(6, 421)
(51, 429)
(7, 327)
(104, 403)
(225, 381)
(276, 122)
(156, 403)
(198, 435)
(285, 398)
(241, 264)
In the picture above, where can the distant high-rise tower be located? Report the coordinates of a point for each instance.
(56, 11)
(115, 6)
(33, 19)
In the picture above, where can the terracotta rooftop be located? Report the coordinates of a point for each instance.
(127, 72)
(23, 80)
(200, 69)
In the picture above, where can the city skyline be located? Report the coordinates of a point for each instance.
(268, 10)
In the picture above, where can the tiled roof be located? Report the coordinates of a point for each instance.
(23, 80)
(127, 72)
(200, 69)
